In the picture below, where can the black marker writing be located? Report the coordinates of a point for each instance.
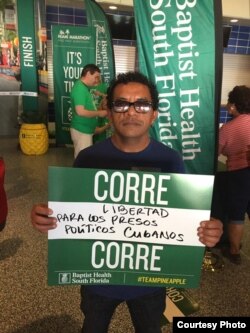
(130, 233)
(88, 228)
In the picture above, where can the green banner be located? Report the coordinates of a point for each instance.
(73, 48)
(27, 46)
(103, 42)
(122, 227)
(177, 50)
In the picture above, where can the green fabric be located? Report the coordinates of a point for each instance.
(102, 136)
(102, 88)
(73, 48)
(176, 49)
(27, 40)
(80, 95)
(102, 39)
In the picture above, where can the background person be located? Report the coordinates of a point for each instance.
(99, 93)
(132, 107)
(103, 129)
(234, 143)
(84, 111)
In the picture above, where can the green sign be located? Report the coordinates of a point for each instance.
(177, 49)
(73, 48)
(27, 46)
(123, 227)
(103, 42)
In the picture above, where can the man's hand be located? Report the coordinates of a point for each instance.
(40, 218)
(210, 232)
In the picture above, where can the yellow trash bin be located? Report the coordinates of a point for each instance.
(34, 139)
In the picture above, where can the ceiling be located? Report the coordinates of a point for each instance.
(118, 2)
(121, 4)
(127, 5)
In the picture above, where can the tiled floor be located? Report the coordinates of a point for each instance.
(28, 305)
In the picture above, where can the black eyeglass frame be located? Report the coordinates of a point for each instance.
(137, 107)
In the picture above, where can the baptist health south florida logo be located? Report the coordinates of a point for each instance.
(66, 35)
(100, 29)
(64, 278)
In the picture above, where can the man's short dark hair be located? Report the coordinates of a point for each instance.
(92, 68)
(240, 97)
(125, 78)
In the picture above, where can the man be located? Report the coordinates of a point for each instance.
(103, 129)
(84, 111)
(132, 107)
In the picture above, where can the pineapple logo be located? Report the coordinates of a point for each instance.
(100, 29)
(64, 278)
(66, 110)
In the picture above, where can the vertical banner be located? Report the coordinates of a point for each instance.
(73, 48)
(178, 50)
(27, 44)
(103, 41)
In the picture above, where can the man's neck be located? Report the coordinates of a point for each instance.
(83, 79)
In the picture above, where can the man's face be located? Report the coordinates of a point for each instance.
(92, 79)
(132, 124)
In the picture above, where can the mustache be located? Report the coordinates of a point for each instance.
(131, 122)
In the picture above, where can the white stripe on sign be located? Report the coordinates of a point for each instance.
(18, 93)
(160, 225)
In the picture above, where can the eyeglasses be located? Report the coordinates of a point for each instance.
(121, 106)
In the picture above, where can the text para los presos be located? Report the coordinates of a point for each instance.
(133, 215)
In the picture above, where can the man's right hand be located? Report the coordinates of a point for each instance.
(40, 218)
